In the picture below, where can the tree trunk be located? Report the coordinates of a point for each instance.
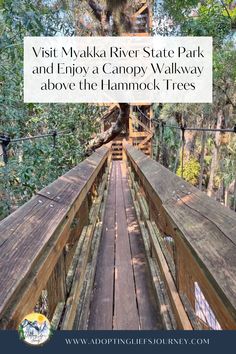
(234, 205)
(177, 159)
(165, 156)
(203, 143)
(160, 143)
(157, 143)
(227, 197)
(190, 140)
(215, 154)
(103, 15)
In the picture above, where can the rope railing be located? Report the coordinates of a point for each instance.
(184, 127)
(5, 140)
(162, 125)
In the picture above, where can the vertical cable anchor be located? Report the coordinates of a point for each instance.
(5, 141)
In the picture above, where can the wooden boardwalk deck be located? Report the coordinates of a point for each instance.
(64, 227)
(122, 295)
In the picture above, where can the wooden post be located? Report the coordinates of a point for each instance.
(56, 286)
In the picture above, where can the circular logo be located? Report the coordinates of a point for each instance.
(35, 329)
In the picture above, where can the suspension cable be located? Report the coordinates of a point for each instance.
(5, 140)
(223, 130)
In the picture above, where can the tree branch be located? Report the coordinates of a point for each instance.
(226, 9)
(97, 9)
(226, 94)
(111, 133)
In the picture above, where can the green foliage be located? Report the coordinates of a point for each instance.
(225, 69)
(206, 18)
(190, 110)
(227, 165)
(179, 9)
(34, 164)
(171, 141)
(21, 332)
(207, 160)
(191, 171)
(194, 18)
(210, 21)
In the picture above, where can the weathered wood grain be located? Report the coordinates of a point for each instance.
(57, 315)
(77, 285)
(204, 226)
(82, 311)
(40, 227)
(125, 307)
(181, 316)
(101, 311)
(56, 286)
(149, 313)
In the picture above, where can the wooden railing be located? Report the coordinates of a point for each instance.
(49, 247)
(190, 241)
(46, 247)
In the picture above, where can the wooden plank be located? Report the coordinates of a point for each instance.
(76, 289)
(56, 286)
(125, 307)
(57, 315)
(20, 288)
(149, 314)
(79, 280)
(204, 205)
(101, 311)
(165, 308)
(189, 271)
(142, 9)
(75, 259)
(78, 223)
(157, 283)
(82, 312)
(142, 34)
(25, 239)
(79, 180)
(26, 297)
(136, 120)
(145, 141)
(138, 134)
(166, 185)
(181, 316)
(210, 249)
(205, 227)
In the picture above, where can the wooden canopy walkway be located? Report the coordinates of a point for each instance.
(122, 298)
(120, 245)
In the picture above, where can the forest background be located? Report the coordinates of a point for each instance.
(209, 160)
